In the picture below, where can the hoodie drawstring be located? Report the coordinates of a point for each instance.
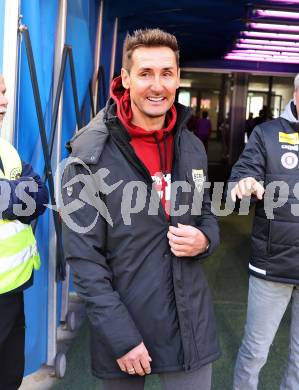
(165, 153)
(163, 165)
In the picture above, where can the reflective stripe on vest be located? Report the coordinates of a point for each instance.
(18, 254)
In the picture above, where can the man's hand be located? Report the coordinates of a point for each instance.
(246, 187)
(186, 240)
(137, 361)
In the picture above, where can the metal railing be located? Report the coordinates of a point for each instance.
(48, 146)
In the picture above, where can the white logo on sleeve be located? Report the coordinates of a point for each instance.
(289, 160)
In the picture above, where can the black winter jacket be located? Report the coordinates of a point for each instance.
(270, 155)
(134, 288)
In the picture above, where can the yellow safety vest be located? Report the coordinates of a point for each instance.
(18, 254)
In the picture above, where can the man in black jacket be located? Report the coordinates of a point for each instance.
(268, 169)
(137, 225)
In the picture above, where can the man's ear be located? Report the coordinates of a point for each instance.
(125, 78)
(295, 102)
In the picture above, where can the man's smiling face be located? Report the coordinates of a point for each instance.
(152, 80)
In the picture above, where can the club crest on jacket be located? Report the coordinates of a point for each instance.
(198, 178)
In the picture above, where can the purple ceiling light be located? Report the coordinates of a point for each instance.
(265, 52)
(286, 1)
(260, 58)
(267, 47)
(268, 42)
(278, 57)
(269, 35)
(276, 14)
(270, 26)
(257, 59)
(258, 52)
(279, 42)
(243, 57)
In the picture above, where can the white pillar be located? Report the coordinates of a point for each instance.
(113, 50)
(238, 115)
(56, 157)
(97, 55)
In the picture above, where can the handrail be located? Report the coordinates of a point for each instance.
(48, 147)
(91, 99)
(67, 52)
(60, 260)
(101, 80)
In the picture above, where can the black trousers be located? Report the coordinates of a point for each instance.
(12, 340)
(196, 380)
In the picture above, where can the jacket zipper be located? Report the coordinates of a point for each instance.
(138, 164)
(269, 237)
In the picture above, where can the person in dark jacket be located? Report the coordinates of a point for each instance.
(204, 128)
(18, 257)
(133, 235)
(268, 169)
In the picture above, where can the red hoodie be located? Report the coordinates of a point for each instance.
(153, 147)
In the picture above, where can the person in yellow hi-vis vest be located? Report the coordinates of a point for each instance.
(23, 197)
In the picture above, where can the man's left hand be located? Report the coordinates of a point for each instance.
(186, 240)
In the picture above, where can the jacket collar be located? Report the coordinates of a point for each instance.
(88, 143)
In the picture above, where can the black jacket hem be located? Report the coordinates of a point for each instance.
(277, 279)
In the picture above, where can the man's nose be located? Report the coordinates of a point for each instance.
(157, 85)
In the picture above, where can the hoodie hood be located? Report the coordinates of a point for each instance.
(290, 113)
(89, 142)
(153, 148)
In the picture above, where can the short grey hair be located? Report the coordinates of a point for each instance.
(296, 82)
